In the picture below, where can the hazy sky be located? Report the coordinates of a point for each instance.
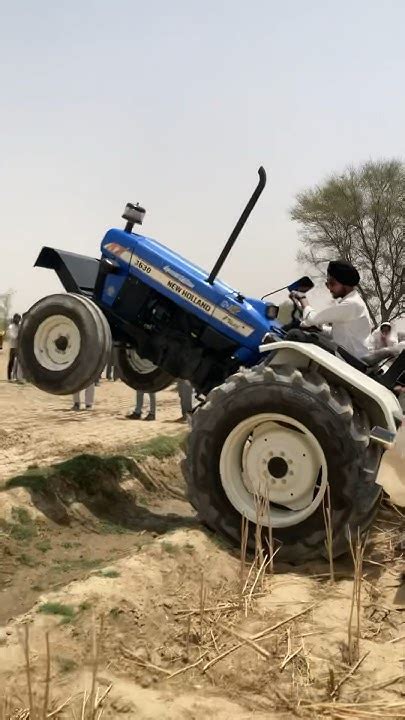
(175, 105)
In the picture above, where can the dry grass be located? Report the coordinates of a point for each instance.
(203, 597)
(244, 536)
(251, 580)
(83, 705)
(247, 639)
(327, 516)
(354, 634)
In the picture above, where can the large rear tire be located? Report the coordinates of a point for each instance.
(64, 342)
(280, 433)
(140, 373)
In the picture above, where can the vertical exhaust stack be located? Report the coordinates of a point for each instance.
(239, 226)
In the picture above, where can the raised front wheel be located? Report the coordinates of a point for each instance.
(64, 343)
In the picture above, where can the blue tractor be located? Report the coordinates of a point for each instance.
(168, 318)
(284, 414)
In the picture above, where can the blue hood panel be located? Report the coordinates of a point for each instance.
(186, 284)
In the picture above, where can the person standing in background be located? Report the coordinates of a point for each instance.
(111, 371)
(12, 337)
(88, 398)
(185, 390)
(137, 413)
(383, 337)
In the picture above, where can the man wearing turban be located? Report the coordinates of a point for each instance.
(348, 317)
(383, 337)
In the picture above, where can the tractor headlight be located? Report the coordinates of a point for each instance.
(271, 311)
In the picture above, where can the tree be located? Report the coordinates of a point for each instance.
(5, 309)
(359, 216)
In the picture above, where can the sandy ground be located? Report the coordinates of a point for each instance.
(39, 428)
(186, 630)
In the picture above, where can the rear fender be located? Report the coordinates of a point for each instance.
(77, 273)
(381, 405)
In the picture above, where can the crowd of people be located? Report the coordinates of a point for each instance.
(184, 390)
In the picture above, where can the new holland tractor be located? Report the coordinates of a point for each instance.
(283, 413)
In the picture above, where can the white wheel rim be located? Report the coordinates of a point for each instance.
(275, 458)
(140, 365)
(57, 343)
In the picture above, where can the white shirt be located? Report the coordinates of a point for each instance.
(350, 321)
(377, 340)
(12, 335)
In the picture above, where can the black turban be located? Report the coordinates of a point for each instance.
(343, 272)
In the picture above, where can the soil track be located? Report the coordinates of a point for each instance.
(188, 632)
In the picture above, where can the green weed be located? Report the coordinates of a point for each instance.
(55, 608)
(109, 573)
(43, 546)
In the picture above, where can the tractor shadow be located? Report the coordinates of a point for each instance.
(115, 490)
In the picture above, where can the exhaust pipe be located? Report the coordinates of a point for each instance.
(239, 226)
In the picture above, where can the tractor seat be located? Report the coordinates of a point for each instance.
(355, 362)
(369, 364)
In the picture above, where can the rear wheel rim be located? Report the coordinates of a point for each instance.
(140, 365)
(273, 470)
(57, 343)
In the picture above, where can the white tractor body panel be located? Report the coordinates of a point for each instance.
(391, 475)
(380, 403)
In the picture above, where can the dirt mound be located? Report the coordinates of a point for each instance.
(106, 487)
(182, 638)
(59, 522)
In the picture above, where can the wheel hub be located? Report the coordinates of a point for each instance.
(140, 365)
(280, 465)
(276, 458)
(277, 468)
(62, 343)
(57, 343)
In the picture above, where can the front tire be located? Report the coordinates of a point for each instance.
(64, 342)
(140, 373)
(280, 433)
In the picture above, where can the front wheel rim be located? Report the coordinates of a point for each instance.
(273, 470)
(57, 343)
